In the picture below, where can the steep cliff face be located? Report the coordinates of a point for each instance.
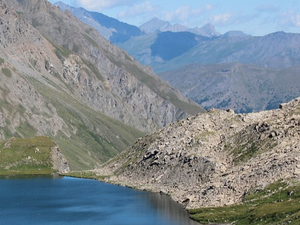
(105, 77)
(23, 50)
(214, 159)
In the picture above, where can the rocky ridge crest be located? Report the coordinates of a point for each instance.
(213, 159)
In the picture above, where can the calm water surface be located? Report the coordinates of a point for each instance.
(47, 200)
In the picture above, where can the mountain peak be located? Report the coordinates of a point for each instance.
(235, 33)
(155, 24)
(207, 30)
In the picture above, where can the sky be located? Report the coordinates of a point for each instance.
(254, 17)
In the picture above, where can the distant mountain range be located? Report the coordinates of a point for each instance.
(241, 87)
(276, 50)
(190, 56)
(110, 28)
(119, 32)
(157, 25)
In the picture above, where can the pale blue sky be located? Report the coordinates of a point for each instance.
(255, 17)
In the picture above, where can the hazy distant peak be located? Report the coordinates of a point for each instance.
(235, 33)
(155, 24)
(206, 30)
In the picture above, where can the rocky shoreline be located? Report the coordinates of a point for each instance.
(213, 159)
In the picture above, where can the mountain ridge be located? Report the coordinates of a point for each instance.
(108, 27)
(51, 87)
(276, 50)
(213, 159)
(109, 63)
(157, 25)
(240, 87)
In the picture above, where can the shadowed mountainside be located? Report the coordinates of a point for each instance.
(276, 50)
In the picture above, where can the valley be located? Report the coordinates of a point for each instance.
(66, 82)
(211, 120)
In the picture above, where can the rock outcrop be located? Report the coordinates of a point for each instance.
(213, 159)
(59, 162)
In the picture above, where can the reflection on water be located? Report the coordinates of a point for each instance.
(45, 200)
(168, 208)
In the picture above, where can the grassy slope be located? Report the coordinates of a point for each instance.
(20, 156)
(279, 203)
(97, 138)
(93, 138)
(155, 84)
(158, 86)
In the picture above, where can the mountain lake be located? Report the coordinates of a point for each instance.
(66, 200)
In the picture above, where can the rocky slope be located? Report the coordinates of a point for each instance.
(67, 82)
(37, 100)
(130, 93)
(215, 158)
(243, 88)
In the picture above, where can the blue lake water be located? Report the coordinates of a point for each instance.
(48, 200)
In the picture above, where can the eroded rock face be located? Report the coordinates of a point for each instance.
(59, 161)
(96, 72)
(60, 78)
(214, 159)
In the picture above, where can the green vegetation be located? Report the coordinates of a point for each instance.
(6, 72)
(94, 69)
(25, 128)
(60, 51)
(246, 145)
(85, 174)
(203, 136)
(1, 61)
(279, 203)
(88, 137)
(152, 83)
(91, 41)
(26, 156)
